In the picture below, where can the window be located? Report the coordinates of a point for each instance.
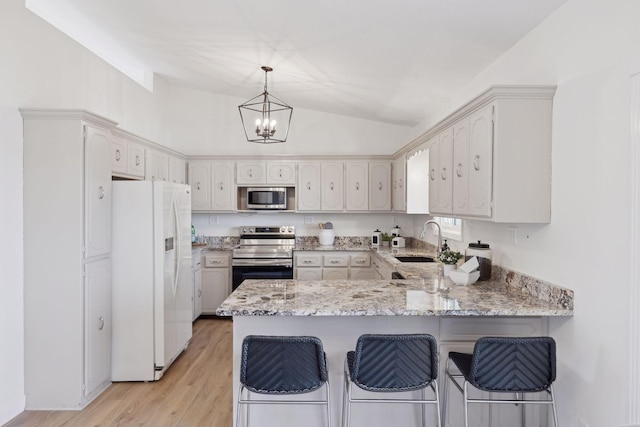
(451, 227)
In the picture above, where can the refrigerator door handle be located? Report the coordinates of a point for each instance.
(178, 252)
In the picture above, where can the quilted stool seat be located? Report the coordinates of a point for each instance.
(281, 365)
(392, 363)
(516, 366)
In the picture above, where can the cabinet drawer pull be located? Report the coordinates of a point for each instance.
(101, 327)
(307, 261)
(334, 261)
(118, 156)
(250, 173)
(101, 192)
(137, 160)
(360, 261)
(280, 173)
(476, 162)
(432, 174)
(443, 174)
(459, 170)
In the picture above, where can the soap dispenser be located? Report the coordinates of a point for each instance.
(375, 238)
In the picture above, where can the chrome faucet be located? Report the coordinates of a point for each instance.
(424, 230)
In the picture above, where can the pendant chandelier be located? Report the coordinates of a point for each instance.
(265, 118)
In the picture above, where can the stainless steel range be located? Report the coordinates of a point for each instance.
(264, 253)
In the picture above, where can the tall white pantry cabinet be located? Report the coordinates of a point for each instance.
(67, 244)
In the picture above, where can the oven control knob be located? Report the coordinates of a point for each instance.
(244, 230)
(290, 230)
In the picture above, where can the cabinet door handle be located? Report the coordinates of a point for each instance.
(280, 173)
(308, 185)
(199, 292)
(331, 186)
(476, 162)
(221, 186)
(357, 186)
(400, 183)
(101, 327)
(459, 170)
(432, 174)
(443, 174)
(137, 160)
(198, 185)
(380, 186)
(118, 155)
(101, 192)
(250, 173)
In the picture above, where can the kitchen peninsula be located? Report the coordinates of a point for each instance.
(339, 311)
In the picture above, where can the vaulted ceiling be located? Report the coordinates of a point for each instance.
(383, 60)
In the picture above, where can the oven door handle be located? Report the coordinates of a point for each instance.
(240, 262)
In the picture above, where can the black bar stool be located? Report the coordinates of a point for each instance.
(505, 365)
(282, 365)
(392, 363)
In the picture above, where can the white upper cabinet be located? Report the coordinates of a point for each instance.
(157, 167)
(480, 163)
(251, 173)
(200, 181)
(357, 186)
(177, 170)
(222, 174)
(97, 192)
(380, 186)
(281, 172)
(332, 186)
(308, 189)
(498, 147)
(212, 186)
(440, 176)
(127, 158)
(398, 185)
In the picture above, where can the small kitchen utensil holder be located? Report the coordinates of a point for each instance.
(326, 237)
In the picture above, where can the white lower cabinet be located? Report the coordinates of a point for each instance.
(338, 265)
(216, 281)
(98, 324)
(196, 277)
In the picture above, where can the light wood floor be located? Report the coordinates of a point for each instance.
(195, 391)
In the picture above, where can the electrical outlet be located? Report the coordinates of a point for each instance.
(512, 235)
(394, 220)
(308, 220)
(213, 219)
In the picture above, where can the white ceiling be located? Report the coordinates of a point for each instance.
(383, 60)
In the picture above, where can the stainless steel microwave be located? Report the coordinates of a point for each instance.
(267, 198)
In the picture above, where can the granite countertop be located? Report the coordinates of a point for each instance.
(432, 297)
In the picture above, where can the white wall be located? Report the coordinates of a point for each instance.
(11, 265)
(585, 48)
(41, 67)
(202, 123)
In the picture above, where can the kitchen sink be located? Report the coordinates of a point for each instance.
(416, 258)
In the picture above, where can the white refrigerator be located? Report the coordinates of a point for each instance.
(152, 293)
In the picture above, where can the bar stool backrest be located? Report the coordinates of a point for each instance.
(513, 364)
(395, 362)
(282, 365)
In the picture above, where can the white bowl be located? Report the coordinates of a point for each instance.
(459, 277)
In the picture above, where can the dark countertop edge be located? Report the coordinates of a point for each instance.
(448, 313)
